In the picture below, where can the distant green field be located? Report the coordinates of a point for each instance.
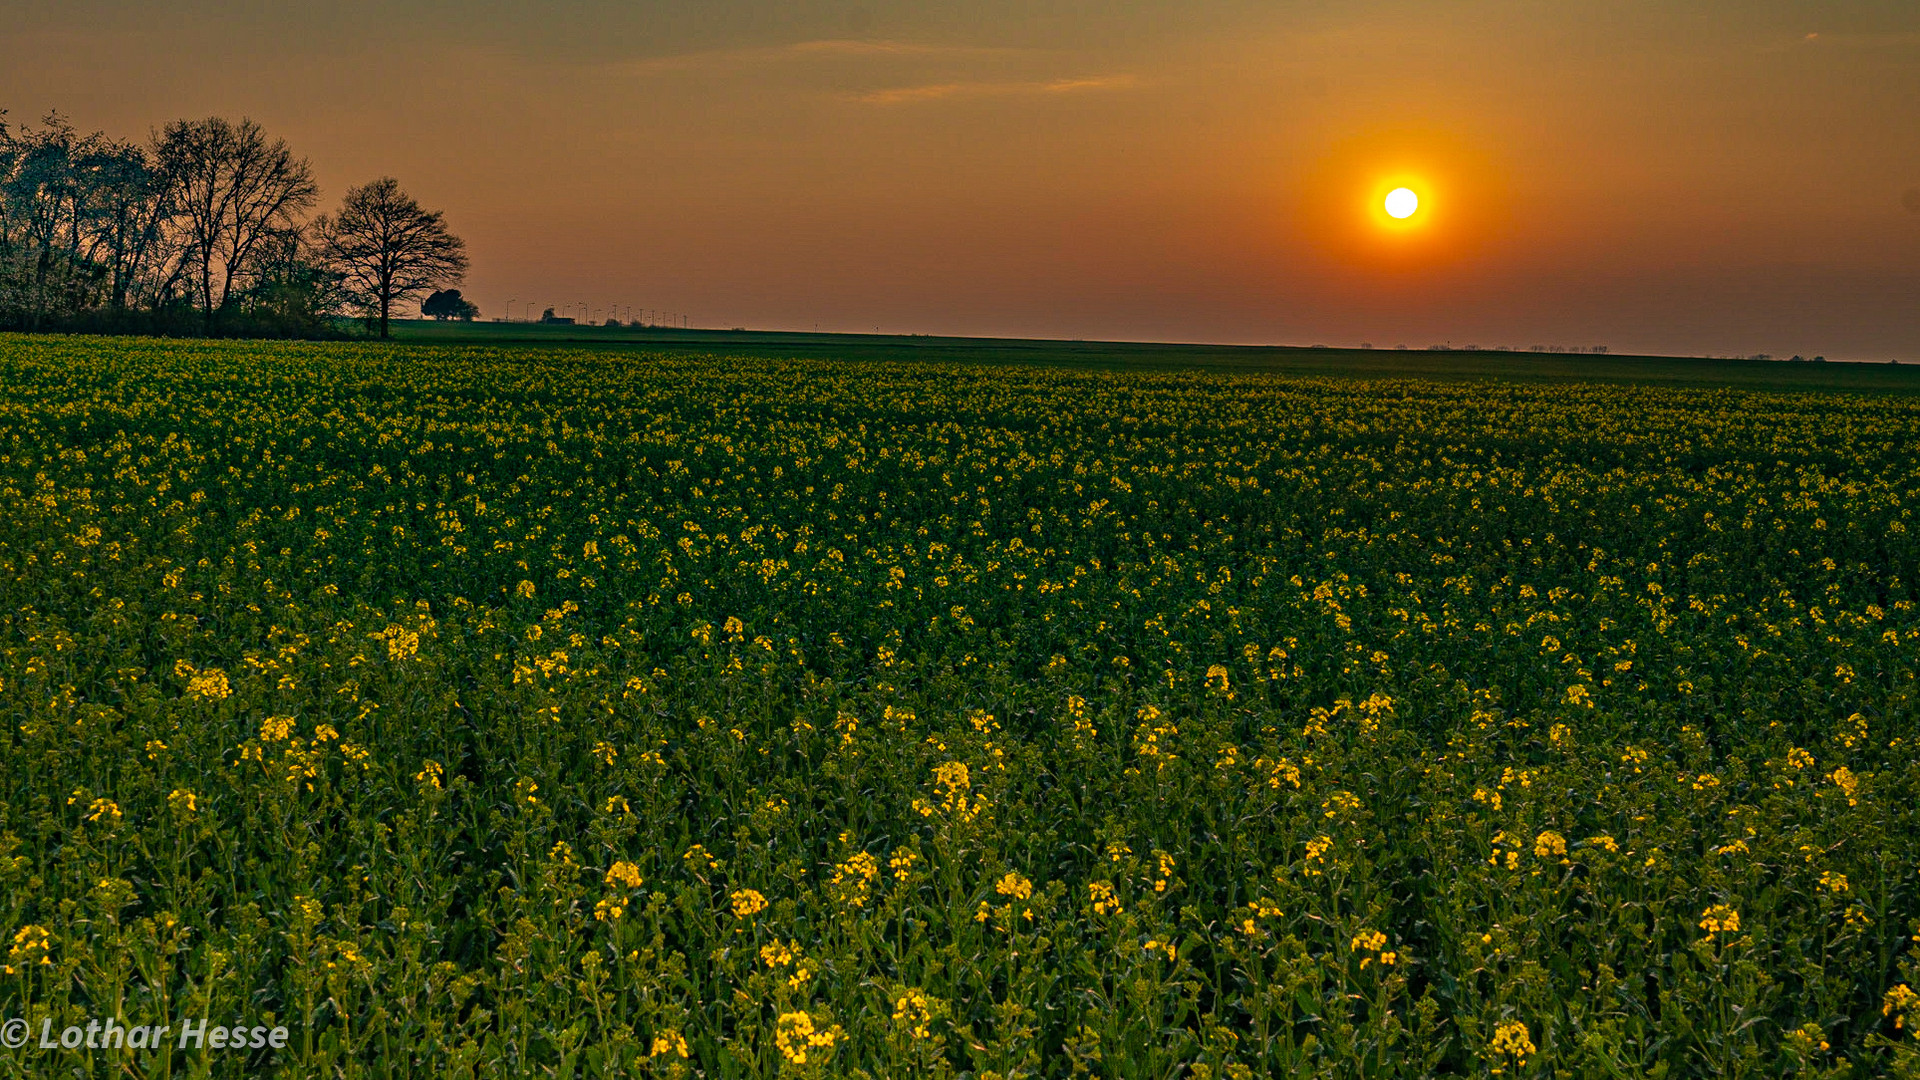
(476, 711)
(1367, 363)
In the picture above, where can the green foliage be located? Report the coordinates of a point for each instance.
(480, 713)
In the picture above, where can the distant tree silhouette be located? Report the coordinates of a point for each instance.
(449, 304)
(388, 249)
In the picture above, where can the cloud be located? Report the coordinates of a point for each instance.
(858, 47)
(821, 49)
(902, 95)
(1899, 40)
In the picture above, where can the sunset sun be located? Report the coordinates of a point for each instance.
(1402, 202)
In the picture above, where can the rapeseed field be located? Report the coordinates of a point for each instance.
(478, 713)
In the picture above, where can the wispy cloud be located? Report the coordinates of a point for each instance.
(860, 47)
(1827, 39)
(822, 49)
(902, 95)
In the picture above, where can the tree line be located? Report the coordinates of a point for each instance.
(204, 229)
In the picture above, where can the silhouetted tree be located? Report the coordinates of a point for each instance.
(292, 290)
(235, 189)
(39, 229)
(449, 304)
(131, 211)
(388, 249)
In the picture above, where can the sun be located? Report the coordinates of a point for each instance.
(1404, 203)
(1402, 199)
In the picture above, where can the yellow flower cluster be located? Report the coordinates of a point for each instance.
(853, 878)
(953, 792)
(901, 863)
(31, 945)
(1720, 919)
(1012, 884)
(1317, 849)
(207, 684)
(1902, 1003)
(1511, 1042)
(668, 1042)
(798, 1038)
(1375, 943)
(914, 1013)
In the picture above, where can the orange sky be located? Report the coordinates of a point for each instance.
(1699, 176)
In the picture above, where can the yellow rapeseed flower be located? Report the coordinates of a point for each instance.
(914, 1012)
(31, 945)
(853, 878)
(901, 863)
(668, 1042)
(1511, 1040)
(210, 684)
(1720, 919)
(1901, 1003)
(797, 1038)
(1014, 885)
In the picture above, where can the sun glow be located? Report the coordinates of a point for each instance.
(1402, 200)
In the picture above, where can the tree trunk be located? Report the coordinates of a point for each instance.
(386, 302)
(206, 292)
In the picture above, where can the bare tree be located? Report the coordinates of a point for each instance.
(235, 189)
(388, 249)
(128, 211)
